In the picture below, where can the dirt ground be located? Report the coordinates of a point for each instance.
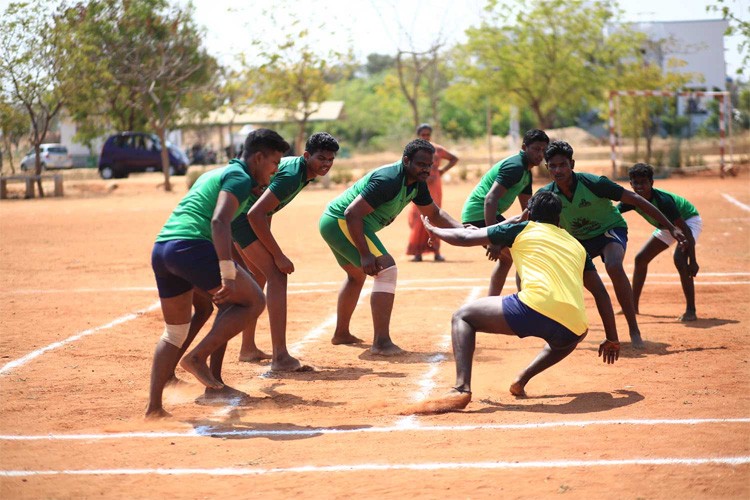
(79, 322)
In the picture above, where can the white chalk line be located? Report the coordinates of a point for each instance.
(736, 202)
(430, 466)
(206, 431)
(122, 319)
(403, 284)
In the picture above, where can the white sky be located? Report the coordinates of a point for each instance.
(382, 26)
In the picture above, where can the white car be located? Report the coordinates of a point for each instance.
(51, 156)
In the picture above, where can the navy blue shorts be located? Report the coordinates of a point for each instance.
(526, 322)
(179, 265)
(595, 246)
(480, 223)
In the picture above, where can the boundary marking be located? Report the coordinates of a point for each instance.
(242, 471)
(736, 202)
(28, 357)
(205, 431)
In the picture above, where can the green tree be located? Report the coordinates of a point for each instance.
(32, 69)
(14, 126)
(739, 25)
(552, 56)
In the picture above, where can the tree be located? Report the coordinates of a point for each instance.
(296, 78)
(737, 25)
(14, 126)
(32, 70)
(552, 56)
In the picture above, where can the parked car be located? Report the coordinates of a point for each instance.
(51, 156)
(129, 152)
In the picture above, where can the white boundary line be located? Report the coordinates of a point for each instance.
(403, 284)
(204, 431)
(247, 471)
(122, 319)
(736, 202)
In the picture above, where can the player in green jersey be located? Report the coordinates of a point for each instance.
(194, 250)
(589, 215)
(261, 252)
(496, 192)
(682, 214)
(349, 224)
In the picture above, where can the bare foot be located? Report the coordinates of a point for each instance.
(345, 338)
(416, 258)
(289, 364)
(225, 395)
(175, 382)
(439, 258)
(386, 349)
(636, 341)
(200, 371)
(253, 356)
(517, 389)
(157, 413)
(451, 401)
(688, 316)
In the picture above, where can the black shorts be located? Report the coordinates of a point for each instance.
(526, 322)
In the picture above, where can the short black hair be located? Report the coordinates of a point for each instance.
(418, 145)
(641, 170)
(535, 135)
(321, 141)
(263, 139)
(423, 126)
(545, 206)
(558, 148)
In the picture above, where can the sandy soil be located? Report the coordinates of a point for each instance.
(668, 422)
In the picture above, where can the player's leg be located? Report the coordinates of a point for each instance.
(202, 310)
(276, 298)
(500, 273)
(688, 285)
(613, 254)
(347, 302)
(230, 321)
(381, 304)
(546, 358)
(650, 250)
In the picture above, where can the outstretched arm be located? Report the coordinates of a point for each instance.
(609, 350)
(438, 216)
(690, 250)
(632, 198)
(458, 236)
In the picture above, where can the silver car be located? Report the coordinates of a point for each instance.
(51, 156)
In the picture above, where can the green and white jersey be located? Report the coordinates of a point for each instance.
(191, 219)
(385, 190)
(287, 182)
(671, 205)
(512, 173)
(590, 212)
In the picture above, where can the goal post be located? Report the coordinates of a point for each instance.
(725, 104)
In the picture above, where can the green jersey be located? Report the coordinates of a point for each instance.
(590, 212)
(385, 190)
(287, 182)
(191, 219)
(512, 173)
(671, 205)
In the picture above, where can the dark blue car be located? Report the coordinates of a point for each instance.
(128, 152)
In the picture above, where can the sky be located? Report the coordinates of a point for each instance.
(383, 26)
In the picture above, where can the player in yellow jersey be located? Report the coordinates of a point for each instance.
(553, 268)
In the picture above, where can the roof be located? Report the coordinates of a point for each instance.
(262, 114)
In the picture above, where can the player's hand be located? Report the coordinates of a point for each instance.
(609, 351)
(493, 252)
(427, 224)
(693, 269)
(369, 264)
(225, 294)
(682, 240)
(284, 264)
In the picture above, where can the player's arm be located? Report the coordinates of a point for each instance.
(438, 216)
(261, 224)
(355, 214)
(609, 350)
(635, 199)
(458, 236)
(692, 263)
(221, 235)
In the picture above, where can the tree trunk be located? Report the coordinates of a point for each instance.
(164, 158)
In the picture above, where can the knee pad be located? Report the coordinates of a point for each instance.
(175, 334)
(385, 281)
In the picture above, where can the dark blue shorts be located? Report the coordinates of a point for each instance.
(526, 322)
(595, 246)
(480, 223)
(179, 265)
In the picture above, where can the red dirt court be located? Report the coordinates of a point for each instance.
(79, 322)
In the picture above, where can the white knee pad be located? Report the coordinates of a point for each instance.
(175, 334)
(385, 281)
